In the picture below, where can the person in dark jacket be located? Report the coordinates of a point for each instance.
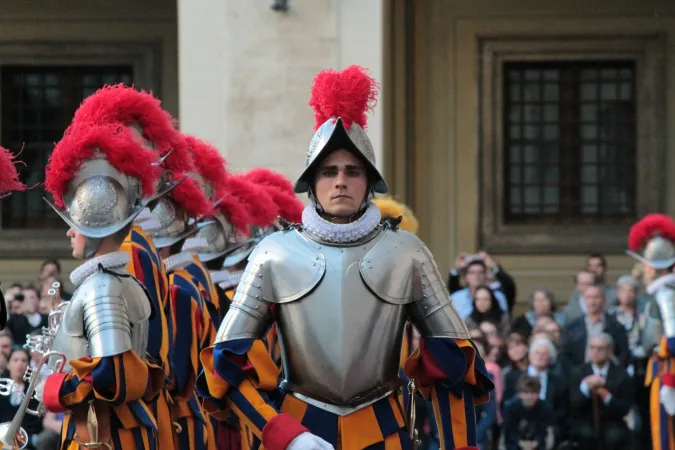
(526, 417)
(601, 395)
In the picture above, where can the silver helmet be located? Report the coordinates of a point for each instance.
(211, 176)
(651, 241)
(331, 136)
(340, 100)
(100, 179)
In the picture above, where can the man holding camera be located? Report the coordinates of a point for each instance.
(477, 269)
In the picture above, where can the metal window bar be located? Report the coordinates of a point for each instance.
(569, 141)
(38, 103)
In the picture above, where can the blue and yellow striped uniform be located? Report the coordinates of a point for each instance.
(126, 385)
(240, 376)
(147, 267)
(662, 425)
(187, 310)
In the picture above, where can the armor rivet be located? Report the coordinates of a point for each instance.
(257, 285)
(424, 296)
(314, 264)
(260, 275)
(424, 285)
(266, 251)
(370, 267)
(342, 251)
(258, 297)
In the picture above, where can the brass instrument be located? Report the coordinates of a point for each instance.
(92, 428)
(12, 436)
(411, 415)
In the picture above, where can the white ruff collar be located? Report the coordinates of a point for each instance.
(226, 279)
(108, 261)
(661, 282)
(178, 261)
(340, 233)
(195, 245)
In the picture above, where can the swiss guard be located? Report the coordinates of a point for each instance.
(326, 284)
(652, 242)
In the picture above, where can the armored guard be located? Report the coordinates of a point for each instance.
(100, 180)
(9, 182)
(141, 115)
(652, 242)
(172, 223)
(326, 285)
(211, 175)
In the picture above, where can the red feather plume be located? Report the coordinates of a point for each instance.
(236, 212)
(209, 163)
(120, 149)
(348, 94)
(126, 105)
(281, 190)
(120, 104)
(260, 205)
(649, 226)
(9, 177)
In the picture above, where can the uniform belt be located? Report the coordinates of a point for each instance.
(355, 404)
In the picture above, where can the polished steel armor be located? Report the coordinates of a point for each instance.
(658, 253)
(665, 299)
(652, 331)
(333, 135)
(171, 224)
(342, 311)
(108, 315)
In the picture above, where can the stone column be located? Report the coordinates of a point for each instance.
(245, 72)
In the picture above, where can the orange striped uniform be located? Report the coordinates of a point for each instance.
(126, 384)
(187, 307)
(240, 375)
(662, 425)
(147, 267)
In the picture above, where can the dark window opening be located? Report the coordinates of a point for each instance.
(569, 142)
(38, 104)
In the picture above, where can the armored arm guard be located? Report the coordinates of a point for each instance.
(432, 311)
(665, 299)
(238, 370)
(112, 306)
(652, 331)
(249, 316)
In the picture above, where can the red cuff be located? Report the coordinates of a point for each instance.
(668, 379)
(280, 430)
(51, 395)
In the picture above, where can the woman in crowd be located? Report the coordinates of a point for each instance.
(542, 304)
(486, 309)
(18, 362)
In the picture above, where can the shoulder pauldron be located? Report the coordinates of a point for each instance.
(284, 267)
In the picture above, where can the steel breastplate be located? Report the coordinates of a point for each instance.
(340, 342)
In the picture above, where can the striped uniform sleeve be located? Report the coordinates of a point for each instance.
(142, 239)
(186, 316)
(142, 266)
(118, 380)
(240, 376)
(452, 375)
(202, 280)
